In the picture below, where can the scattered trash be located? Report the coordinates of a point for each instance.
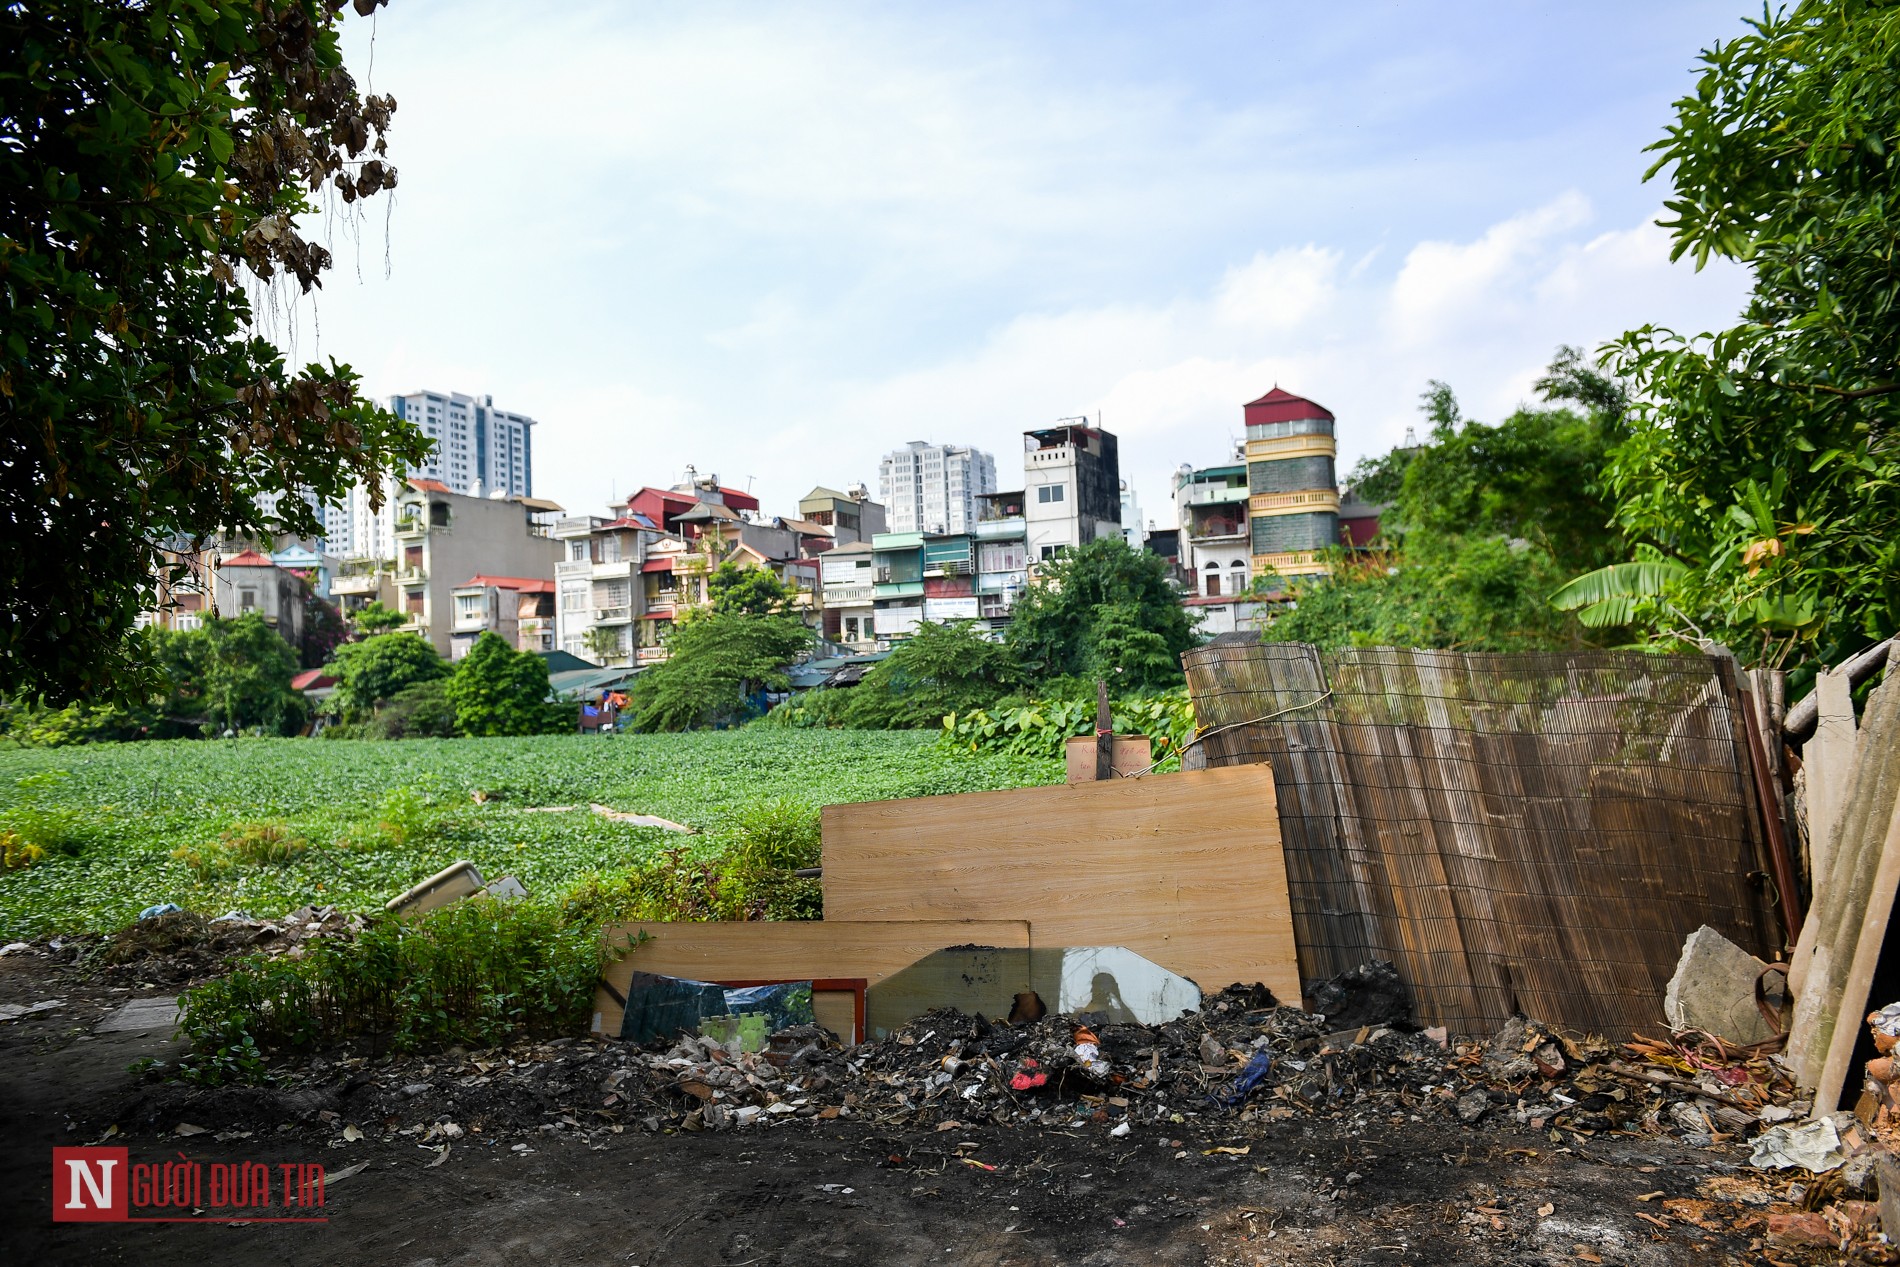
(333, 1177)
(141, 1015)
(1257, 1068)
(14, 1011)
(15, 947)
(1814, 1146)
(454, 883)
(638, 820)
(163, 908)
(188, 1128)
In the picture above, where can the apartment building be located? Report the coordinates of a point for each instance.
(477, 446)
(933, 487)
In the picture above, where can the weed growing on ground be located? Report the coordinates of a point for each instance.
(475, 973)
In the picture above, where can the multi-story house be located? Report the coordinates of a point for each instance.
(933, 487)
(443, 537)
(1211, 513)
(519, 609)
(848, 573)
(851, 516)
(1002, 556)
(1072, 487)
(1294, 503)
(601, 586)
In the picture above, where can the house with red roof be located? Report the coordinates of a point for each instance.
(520, 609)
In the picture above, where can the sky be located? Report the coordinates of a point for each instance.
(777, 241)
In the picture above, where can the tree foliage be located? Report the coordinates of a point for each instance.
(1080, 617)
(1763, 458)
(377, 617)
(496, 690)
(1486, 521)
(374, 670)
(717, 664)
(153, 154)
(237, 673)
(734, 589)
(940, 669)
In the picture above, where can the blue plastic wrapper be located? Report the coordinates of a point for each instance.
(1249, 1078)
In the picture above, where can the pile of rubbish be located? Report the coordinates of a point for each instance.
(1240, 1059)
(177, 947)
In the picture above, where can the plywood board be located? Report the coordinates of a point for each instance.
(1182, 868)
(805, 951)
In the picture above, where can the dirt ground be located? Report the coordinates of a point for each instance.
(1304, 1191)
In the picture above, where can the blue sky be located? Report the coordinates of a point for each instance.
(775, 241)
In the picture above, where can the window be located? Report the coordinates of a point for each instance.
(468, 607)
(1049, 493)
(1048, 552)
(412, 602)
(412, 558)
(576, 597)
(247, 599)
(577, 551)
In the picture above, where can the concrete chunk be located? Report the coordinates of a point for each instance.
(1714, 989)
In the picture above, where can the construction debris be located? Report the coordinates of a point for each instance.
(1714, 990)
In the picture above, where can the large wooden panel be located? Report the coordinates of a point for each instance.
(767, 951)
(1182, 868)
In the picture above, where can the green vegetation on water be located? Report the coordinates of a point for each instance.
(272, 824)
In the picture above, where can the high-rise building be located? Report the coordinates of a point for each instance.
(479, 449)
(933, 487)
(1293, 510)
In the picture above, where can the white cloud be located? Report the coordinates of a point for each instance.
(780, 241)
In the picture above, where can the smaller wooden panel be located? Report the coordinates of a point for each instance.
(1133, 754)
(1183, 869)
(791, 951)
(838, 1011)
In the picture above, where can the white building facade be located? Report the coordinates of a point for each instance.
(933, 487)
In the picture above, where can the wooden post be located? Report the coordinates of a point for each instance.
(1104, 735)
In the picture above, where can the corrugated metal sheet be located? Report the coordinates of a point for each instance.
(1515, 832)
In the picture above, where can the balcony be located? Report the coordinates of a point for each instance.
(847, 595)
(1011, 528)
(613, 571)
(362, 583)
(1215, 494)
(411, 526)
(649, 655)
(1310, 501)
(573, 567)
(1211, 528)
(612, 615)
(412, 576)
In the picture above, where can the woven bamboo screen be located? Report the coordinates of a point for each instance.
(1532, 833)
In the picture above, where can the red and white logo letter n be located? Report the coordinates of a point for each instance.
(89, 1185)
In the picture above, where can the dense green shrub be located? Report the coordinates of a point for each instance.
(1043, 728)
